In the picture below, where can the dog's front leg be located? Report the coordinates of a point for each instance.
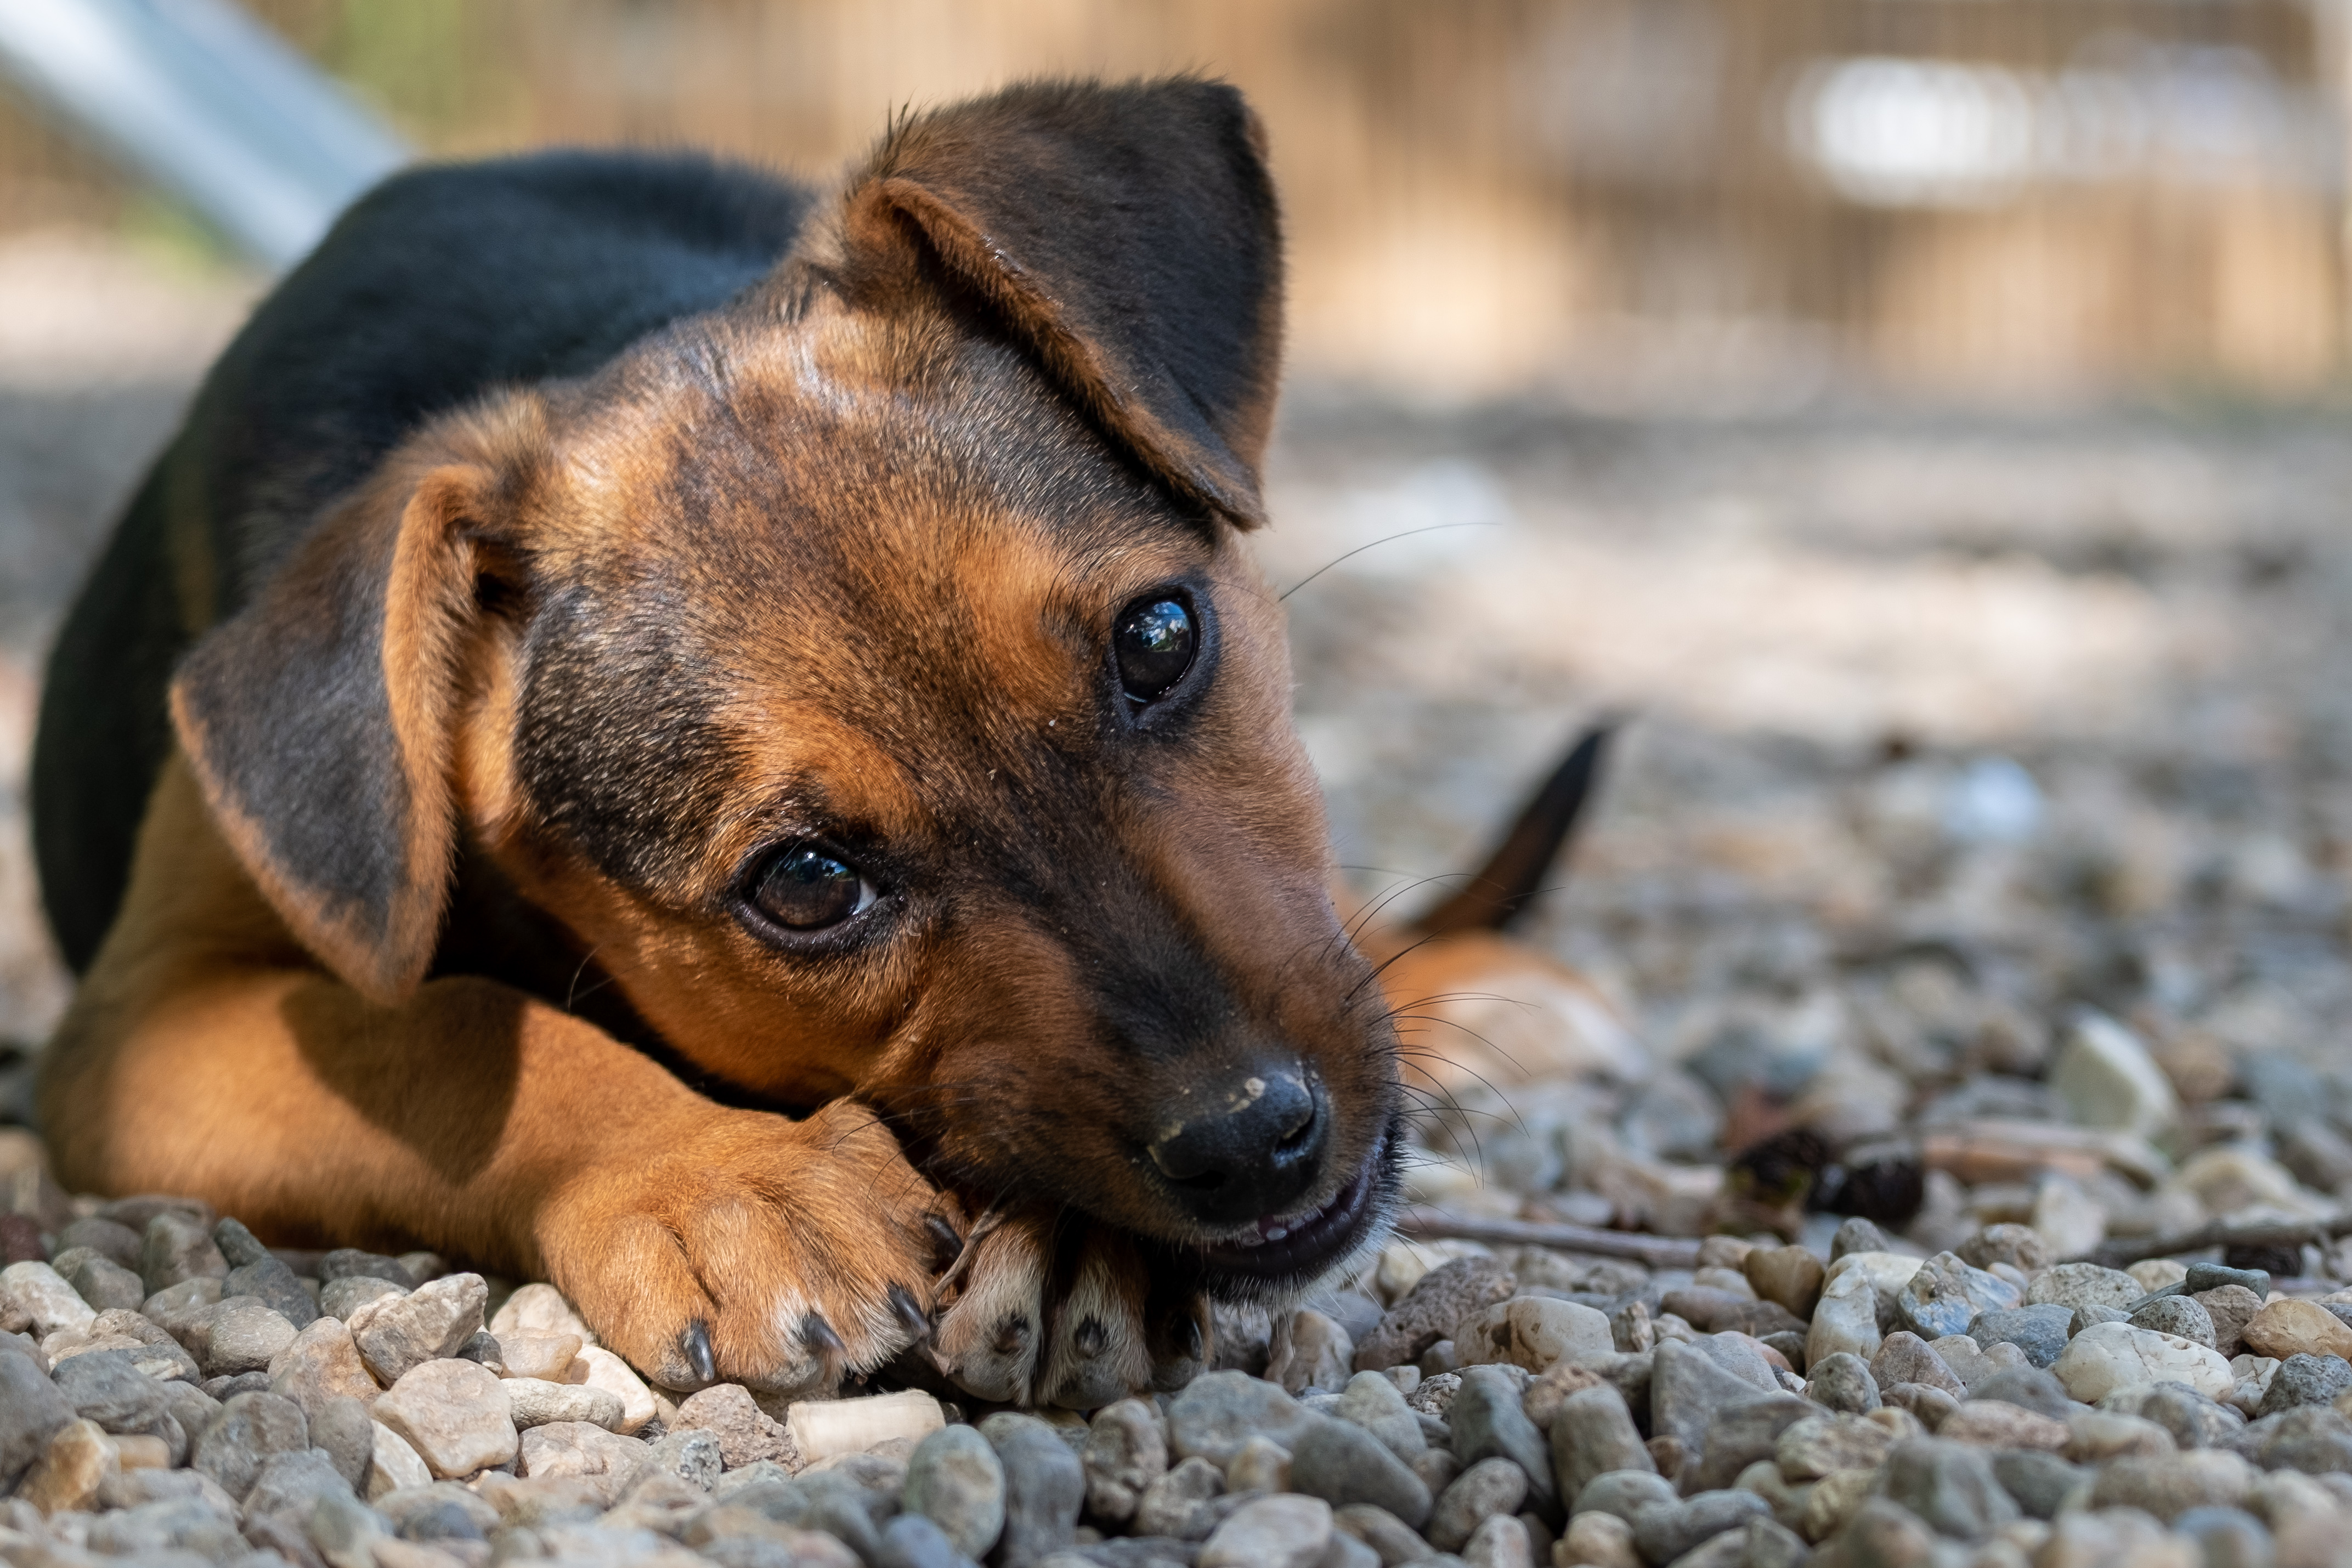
(206, 1055)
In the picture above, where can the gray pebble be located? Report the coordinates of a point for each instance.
(1842, 1381)
(177, 1247)
(1343, 1464)
(2177, 1315)
(1741, 1434)
(2083, 1285)
(912, 1540)
(104, 1283)
(342, 1428)
(1427, 1313)
(1390, 1537)
(229, 1387)
(1949, 1485)
(249, 1430)
(1167, 1504)
(289, 1483)
(1664, 1531)
(116, 1242)
(1220, 1411)
(2089, 1314)
(1045, 1487)
(31, 1410)
(1373, 1402)
(2305, 1380)
(105, 1387)
(1487, 1422)
(339, 1299)
(1622, 1493)
(345, 1262)
(1125, 1450)
(2227, 1537)
(1856, 1235)
(2038, 1482)
(1687, 1389)
(955, 1479)
(2194, 1421)
(1946, 1295)
(247, 1335)
(1594, 1434)
(1487, 1489)
(2030, 1388)
(2039, 1332)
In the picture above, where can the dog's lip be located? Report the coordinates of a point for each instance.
(1291, 1246)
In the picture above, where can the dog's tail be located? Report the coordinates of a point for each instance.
(1504, 890)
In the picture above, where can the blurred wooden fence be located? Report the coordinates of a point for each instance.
(1626, 199)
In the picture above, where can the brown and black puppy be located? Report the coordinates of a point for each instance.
(721, 746)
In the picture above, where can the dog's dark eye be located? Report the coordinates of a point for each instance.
(1153, 640)
(806, 889)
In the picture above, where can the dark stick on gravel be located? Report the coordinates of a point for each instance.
(1657, 1252)
(2128, 1250)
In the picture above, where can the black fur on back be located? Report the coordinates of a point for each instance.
(438, 284)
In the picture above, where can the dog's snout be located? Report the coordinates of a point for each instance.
(1246, 1148)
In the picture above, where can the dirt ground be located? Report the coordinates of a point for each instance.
(2066, 693)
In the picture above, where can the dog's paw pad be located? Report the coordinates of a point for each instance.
(1042, 1319)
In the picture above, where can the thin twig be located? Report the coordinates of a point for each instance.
(1657, 1252)
(2129, 1249)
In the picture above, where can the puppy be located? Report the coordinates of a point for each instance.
(718, 745)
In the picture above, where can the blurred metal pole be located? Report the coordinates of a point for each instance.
(199, 99)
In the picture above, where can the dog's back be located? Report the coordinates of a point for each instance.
(441, 284)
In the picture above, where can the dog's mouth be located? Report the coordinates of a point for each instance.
(1297, 1246)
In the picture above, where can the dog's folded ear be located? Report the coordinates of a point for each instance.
(319, 718)
(1126, 235)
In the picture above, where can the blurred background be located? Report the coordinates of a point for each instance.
(1926, 418)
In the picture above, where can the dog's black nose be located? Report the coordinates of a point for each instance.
(1246, 1148)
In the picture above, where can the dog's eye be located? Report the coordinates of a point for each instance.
(806, 889)
(1153, 640)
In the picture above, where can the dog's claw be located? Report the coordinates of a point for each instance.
(911, 1316)
(696, 1343)
(946, 1245)
(818, 1335)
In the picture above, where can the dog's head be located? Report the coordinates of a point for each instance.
(870, 678)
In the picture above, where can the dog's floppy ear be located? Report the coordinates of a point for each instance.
(1129, 236)
(318, 717)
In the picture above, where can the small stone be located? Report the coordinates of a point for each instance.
(1390, 1537)
(2098, 1436)
(2168, 1484)
(2227, 1537)
(1622, 1493)
(1789, 1277)
(746, 1433)
(1823, 1445)
(2107, 1079)
(955, 1479)
(2193, 1420)
(1904, 1357)
(103, 1284)
(2107, 1356)
(342, 1299)
(291, 1485)
(1488, 1487)
(78, 1457)
(1856, 1235)
(320, 1363)
(1167, 1505)
(42, 1294)
(393, 1464)
(397, 1333)
(1741, 1434)
(1126, 1451)
(2197, 1278)
(1219, 1411)
(1599, 1539)
(2083, 1285)
(1845, 1320)
(177, 1247)
(1312, 1351)
(1996, 1423)
(2019, 1246)
(2039, 1332)
(249, 1428)
(2293, 1326)
(1842, 1382)
(1259, 1465)
(531, 1402)
(1440, 1299)
(2156, 1274)
(2027, 1388)
(1592, 1435)
(105, 1387)
(546, 1356)
(1344, 1464)
(1045, 1487)
(344, 1431)
(1487, 1422)
(2037, 1481)
(1948, 1485)
(1372, 1402)
(246, 1336)
(349, 1262)
(2183, 1317)
(1687, 1389)
(254, 1270)
(575, 1450)
(453, 1414)
(1500, 1542)
(1630, 1329)
(1664, 1531)
(111, 1239)
(1944, 1294)
(2305, 1380)
(1285, 1532)
(345, 1532)
(609, 1372)
(691, 1459)
(909, 1540)
(1544, 1331)
(2229, 1308)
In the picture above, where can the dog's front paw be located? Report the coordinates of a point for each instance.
(1047, 1311)
(754, 1249)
